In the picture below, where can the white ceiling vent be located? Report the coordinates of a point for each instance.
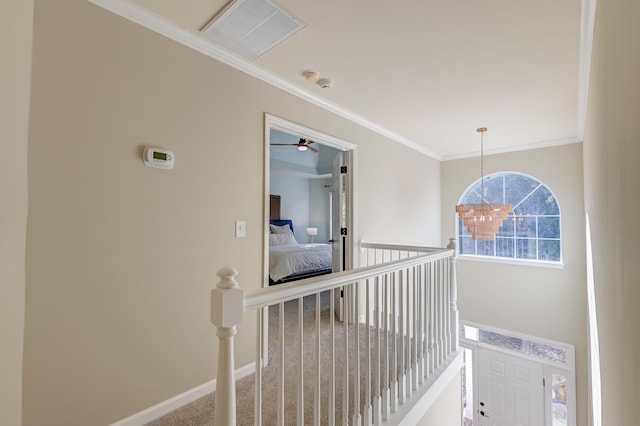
(252, 27)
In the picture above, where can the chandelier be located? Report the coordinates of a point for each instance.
(483, 220)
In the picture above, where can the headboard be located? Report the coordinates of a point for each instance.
(281, 222)
(274, 207)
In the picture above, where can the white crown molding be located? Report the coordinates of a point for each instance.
(194, 40)
(512, 149)
(141, 16)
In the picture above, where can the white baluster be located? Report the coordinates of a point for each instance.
(226, 313)
(345, 364)
(420, 322)
(367, 395)
(402, 380)
(447, 304)
(441, 316)
(257, 415)
(300, 404)
(393, 387)
(377, 400)
(280, 416)
(432, 318)
(316, 406)
(416, 328)
(332, 359)
(438, 325)
(356, 357)
(455, 318)
(410, 332)
(386, 319)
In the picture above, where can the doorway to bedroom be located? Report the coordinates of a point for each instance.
(309, 208)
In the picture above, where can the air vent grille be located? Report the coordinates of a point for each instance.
(252, 27)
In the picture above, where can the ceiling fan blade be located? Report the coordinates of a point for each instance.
(284, 144)
(312, 148)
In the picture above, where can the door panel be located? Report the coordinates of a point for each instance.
(338, 203)
(510, 390)
(339, 209)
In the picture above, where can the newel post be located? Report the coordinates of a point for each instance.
(226, 312)
(455, 316)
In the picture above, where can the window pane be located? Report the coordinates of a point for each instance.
(493, 189)
(559, 398)
(463, 230)
(473, 196)
(467, 245)
(526, 226)
(541, 201)
(526, 248)
(517, 187)
(504, 247)
(518, 344)
(549, 227)
(485, 248)
(549, 250)
(506, 230)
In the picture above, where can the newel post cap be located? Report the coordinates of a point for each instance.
(227, 300)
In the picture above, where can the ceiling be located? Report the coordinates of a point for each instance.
(428, 73)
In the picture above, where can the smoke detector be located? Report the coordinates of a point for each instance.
(314, 77)
(311, 76)
(325, 83)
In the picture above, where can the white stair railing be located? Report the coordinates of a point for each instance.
(400, 333)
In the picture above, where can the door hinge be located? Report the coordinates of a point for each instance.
(343, 170)
(544, 383)
(343, 231)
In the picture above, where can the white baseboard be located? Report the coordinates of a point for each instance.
(165, 407)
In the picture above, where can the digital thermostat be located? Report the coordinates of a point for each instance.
(158, 158)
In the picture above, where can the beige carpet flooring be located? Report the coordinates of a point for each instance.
(200, 412)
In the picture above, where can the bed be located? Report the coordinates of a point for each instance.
(289, 260)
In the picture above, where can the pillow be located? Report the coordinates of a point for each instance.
(283, 229)
(281, 239)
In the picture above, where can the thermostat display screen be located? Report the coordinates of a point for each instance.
(158, 158)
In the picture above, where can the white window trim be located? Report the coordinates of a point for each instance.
(509, 261)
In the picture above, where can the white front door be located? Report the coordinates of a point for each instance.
(510, 390)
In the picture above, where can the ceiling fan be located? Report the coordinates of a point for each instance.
(303, 145)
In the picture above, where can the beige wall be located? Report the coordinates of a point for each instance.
(611, 154)
(447, 409)
(16, 25)
(399, 195)
(549, 303)
(121, 257)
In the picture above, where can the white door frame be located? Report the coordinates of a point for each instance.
(549, 369)
(271, 122)
(276, 123)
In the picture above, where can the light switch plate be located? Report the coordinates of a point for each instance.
(241, 228)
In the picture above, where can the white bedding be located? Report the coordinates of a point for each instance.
(285, 260)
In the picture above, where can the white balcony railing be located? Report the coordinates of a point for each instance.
(399, 330)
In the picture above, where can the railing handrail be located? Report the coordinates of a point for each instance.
(417, 249)
(267, 296)
(425, 313)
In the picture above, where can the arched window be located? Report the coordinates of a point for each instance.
(532, 230)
